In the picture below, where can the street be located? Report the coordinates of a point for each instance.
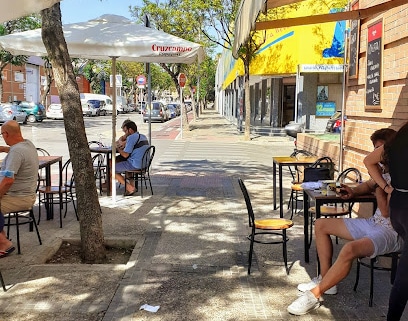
(50, 134)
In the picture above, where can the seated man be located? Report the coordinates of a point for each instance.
(19, 177)
(368, 238)
(121, 142)
(136, 145)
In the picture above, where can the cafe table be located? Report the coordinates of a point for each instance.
(280, 162)
(321, 199)
(106, 150)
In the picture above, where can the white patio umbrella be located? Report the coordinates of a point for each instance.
(110, 37)
(14, 9)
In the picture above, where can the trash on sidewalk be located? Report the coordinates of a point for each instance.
(150, 308)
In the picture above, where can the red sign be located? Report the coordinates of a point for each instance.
(141, 80)
(182, 80)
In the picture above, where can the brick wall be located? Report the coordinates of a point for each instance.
(393, 112)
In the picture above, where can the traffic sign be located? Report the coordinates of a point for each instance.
(182, 79)
(141, 80)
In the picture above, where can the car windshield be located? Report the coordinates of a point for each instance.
(95, 103)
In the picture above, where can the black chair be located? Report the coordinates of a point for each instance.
(144, 172)
(61, 195)
(41, 174)
(2, 282)
(372, 264)
(20, 218)
(296, 193)
(274, 227)
(98, 161)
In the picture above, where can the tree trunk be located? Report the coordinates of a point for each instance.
(193, 104)
(247, 133)
(90, 220)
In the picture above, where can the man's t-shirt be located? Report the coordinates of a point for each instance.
(136, 145)
(22, 159)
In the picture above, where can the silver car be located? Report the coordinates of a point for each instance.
(158, 112)
(12, 112)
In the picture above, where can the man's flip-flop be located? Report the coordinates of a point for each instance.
(7, 252)
(130, 193)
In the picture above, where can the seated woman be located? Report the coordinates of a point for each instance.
(132, 153)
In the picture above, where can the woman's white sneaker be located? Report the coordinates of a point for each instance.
(304, 304)
(303, 287)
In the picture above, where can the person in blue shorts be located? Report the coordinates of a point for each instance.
(132, 153)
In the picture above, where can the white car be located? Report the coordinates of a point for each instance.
(89, 110)
(54, 111)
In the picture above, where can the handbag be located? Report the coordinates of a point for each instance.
(321, 169)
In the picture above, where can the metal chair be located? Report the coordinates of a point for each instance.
(296, 193)
(41, 175)
(144, 172)
(2, 282)
(61, 195)
(374, 266)
(274, 227)
(20, 218)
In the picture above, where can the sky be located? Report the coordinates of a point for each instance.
(83, 10)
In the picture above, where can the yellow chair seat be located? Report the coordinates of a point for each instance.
(297, 187)
(273, 224)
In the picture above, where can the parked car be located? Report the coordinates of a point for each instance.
(35, 111)
(171, 111)
(121, 105)
(90, 110)
(134, 107)
(157, 112)
(176, 106)
(54, 111)
(293, 128)
(334, 123)
(99, 106)
(12, 112)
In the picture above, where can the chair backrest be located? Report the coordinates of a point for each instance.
(300, 152)
(148, 157)
(296, 172)
(98, 161)
(68, 174)
(251, 215)
(352, 174)
(42, 152)
(94, 143)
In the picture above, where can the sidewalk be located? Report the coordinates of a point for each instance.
(190, 247)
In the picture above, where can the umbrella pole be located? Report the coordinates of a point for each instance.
(113, 179)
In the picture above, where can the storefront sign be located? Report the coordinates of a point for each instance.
(325, 108)
(321, 68)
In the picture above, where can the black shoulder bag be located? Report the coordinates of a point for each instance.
(322, 169)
